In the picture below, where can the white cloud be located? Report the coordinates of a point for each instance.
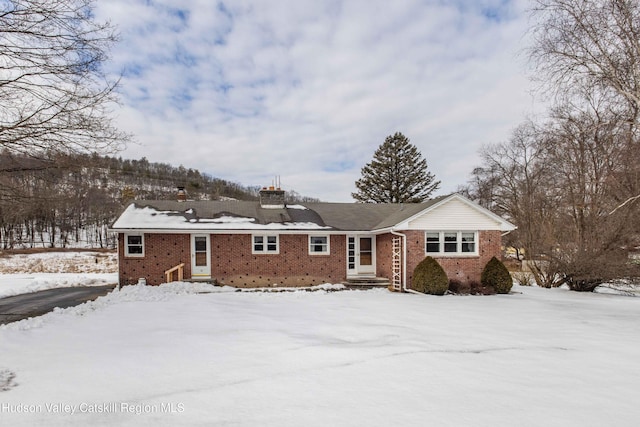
(308, 90)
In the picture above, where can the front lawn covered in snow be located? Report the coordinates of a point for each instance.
(169, 355)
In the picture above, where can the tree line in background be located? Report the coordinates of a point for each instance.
(571, 181)
(55, 107)
(71, 199)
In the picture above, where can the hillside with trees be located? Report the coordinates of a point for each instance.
(70, 200)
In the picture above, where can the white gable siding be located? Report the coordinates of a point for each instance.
(454, 215)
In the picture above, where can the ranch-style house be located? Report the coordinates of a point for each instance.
(269, 243)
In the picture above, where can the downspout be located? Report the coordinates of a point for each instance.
(404, 262)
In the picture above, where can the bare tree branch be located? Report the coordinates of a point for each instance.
(53, 93)
(626, 202)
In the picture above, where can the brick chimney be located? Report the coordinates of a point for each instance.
(182, 195)
(272, 198)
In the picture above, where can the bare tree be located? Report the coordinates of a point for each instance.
(518, 180)
(572, 183)
(586, 148)
(557, 181)
(587, 46)
(54, 96)
(592, 44)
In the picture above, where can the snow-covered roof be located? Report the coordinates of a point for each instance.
(137, 216)
(169, 215)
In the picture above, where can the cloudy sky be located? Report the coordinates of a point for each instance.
(307, 90)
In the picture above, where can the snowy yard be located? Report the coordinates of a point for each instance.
(171, 356)
(24, 273)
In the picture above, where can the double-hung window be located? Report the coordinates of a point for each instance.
(134, 245)
(451, 242)
(266, 244)
(319, 245)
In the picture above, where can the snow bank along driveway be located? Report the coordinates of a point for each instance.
(169, 356)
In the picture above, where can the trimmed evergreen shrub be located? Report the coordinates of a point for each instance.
(496, 275)
(430, 278)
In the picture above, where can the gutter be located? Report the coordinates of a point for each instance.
(404, 262)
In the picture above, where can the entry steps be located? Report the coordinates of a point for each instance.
(366, 282)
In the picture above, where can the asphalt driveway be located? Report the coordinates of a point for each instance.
(23, 306)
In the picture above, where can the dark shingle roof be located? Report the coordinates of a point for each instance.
(336, 216)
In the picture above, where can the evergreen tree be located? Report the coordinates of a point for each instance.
(397, 174)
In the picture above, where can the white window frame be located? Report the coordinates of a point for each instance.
(127, 245)
(327, 248)
(458, 242)
(265, 244)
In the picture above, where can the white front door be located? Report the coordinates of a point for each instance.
(200, 256)
(361, 255)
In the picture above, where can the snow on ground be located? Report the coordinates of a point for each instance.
(185, 354)
(24, 273)
(15, 284)
(60, 262)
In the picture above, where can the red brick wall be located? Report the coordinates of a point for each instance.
(383, 255)
(233, 263)
(464, 269)
(161, 252)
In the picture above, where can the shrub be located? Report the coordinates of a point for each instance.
(496, 275)
(476, 288)
(523, 278)
(430, 278)
(457, 287)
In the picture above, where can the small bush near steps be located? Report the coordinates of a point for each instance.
(496, 276)
(429, 277)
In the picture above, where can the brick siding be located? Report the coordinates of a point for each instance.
(161, 252)
(383, 255)
(235, 265)
(463, 269)
(232, 262)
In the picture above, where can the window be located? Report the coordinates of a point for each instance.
(451, 242)
(468, 242)
(433, 241)
(351, 253)
(319, 245)
(134, 245)
(265, 244)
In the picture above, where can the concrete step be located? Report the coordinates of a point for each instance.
(366, 282)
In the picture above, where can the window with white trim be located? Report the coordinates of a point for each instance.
(265, 244)
(451, 242)
(319, 245)
(134, 245)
